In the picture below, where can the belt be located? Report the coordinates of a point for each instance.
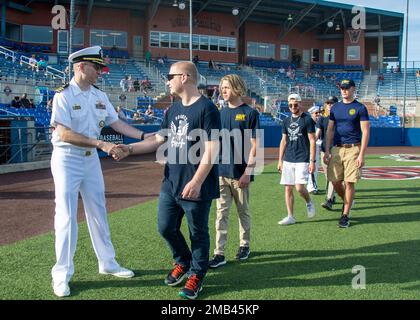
(80, 152)
(347, 145)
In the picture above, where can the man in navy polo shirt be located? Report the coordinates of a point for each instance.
(349, 126)
(191, 179)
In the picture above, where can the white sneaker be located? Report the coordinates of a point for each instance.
(286, 221)
(119, 272)
(61, 289)
(310, 207)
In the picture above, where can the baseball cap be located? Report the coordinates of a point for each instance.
(294, 96)
(331, 99)
(314, 109)
(347, 83)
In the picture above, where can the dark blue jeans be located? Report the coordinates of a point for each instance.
(170, 213)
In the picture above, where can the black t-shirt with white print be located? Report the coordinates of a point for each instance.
(184, 149)
(297, 129)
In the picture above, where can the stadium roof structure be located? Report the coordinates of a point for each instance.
(305, 15)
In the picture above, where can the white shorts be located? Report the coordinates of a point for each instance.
(294, 173)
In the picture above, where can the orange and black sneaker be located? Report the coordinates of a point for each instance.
(176, 275)
(192, 288)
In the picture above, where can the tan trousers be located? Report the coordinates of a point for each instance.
(229, 190)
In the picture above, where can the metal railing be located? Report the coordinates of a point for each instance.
(24, 144)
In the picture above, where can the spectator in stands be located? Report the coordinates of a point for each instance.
(130, 84)
(196, 59)
(31, 103)
(122, 97)
(136, 85)
(312, 186)
(397, 68)
(33, 63)
(348, 133)
(107, 60)
(24, 102)
(215, 95)
(148, 57)
(418, 73)
(42, 64)
(16, 102)
(282, 70)
(137, 118)
(392, 69)
(211, 65)
(121, 114)
(160, 61)
(165, 59)
(296, 157)
(146, 85)
(323, 126)
(150, 112)
(381, 79)
(124, 84)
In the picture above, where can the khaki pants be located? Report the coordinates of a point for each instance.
(229, 190)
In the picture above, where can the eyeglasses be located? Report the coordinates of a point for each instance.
(170, 76)
(293, 105)
(317, 112)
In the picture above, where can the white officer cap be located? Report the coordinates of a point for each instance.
(314, 109)
(91, 54)
(294, 96)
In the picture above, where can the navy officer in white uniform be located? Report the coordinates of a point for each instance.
(80, 110)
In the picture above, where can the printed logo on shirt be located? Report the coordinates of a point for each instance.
(240, 117)
(100, 105)
(294, 131)
(101, 124)
(77, 107)
(178, 134)
(352, 112)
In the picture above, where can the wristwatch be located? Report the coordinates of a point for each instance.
(130, 149)
(313, 161)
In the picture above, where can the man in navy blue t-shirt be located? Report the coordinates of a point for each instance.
(297, 157)
(191, 179)
(237, 160)
(349, 128)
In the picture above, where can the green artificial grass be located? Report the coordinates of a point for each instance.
(312, 259)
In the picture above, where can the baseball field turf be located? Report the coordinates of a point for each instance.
(312, 259)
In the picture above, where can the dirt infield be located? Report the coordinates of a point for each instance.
(27, 198)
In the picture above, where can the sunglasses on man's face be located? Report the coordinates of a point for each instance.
(170, 76)
(296, 105)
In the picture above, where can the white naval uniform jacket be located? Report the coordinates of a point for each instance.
(84, 112)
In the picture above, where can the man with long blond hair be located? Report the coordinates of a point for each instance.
(235, 166)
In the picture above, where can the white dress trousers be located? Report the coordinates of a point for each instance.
(78, 170)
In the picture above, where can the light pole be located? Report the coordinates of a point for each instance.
(191, 30)
(181, 6)
(405, 72)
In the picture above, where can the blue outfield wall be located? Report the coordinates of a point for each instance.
(379, 137)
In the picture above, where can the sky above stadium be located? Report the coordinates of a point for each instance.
(399, 6)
